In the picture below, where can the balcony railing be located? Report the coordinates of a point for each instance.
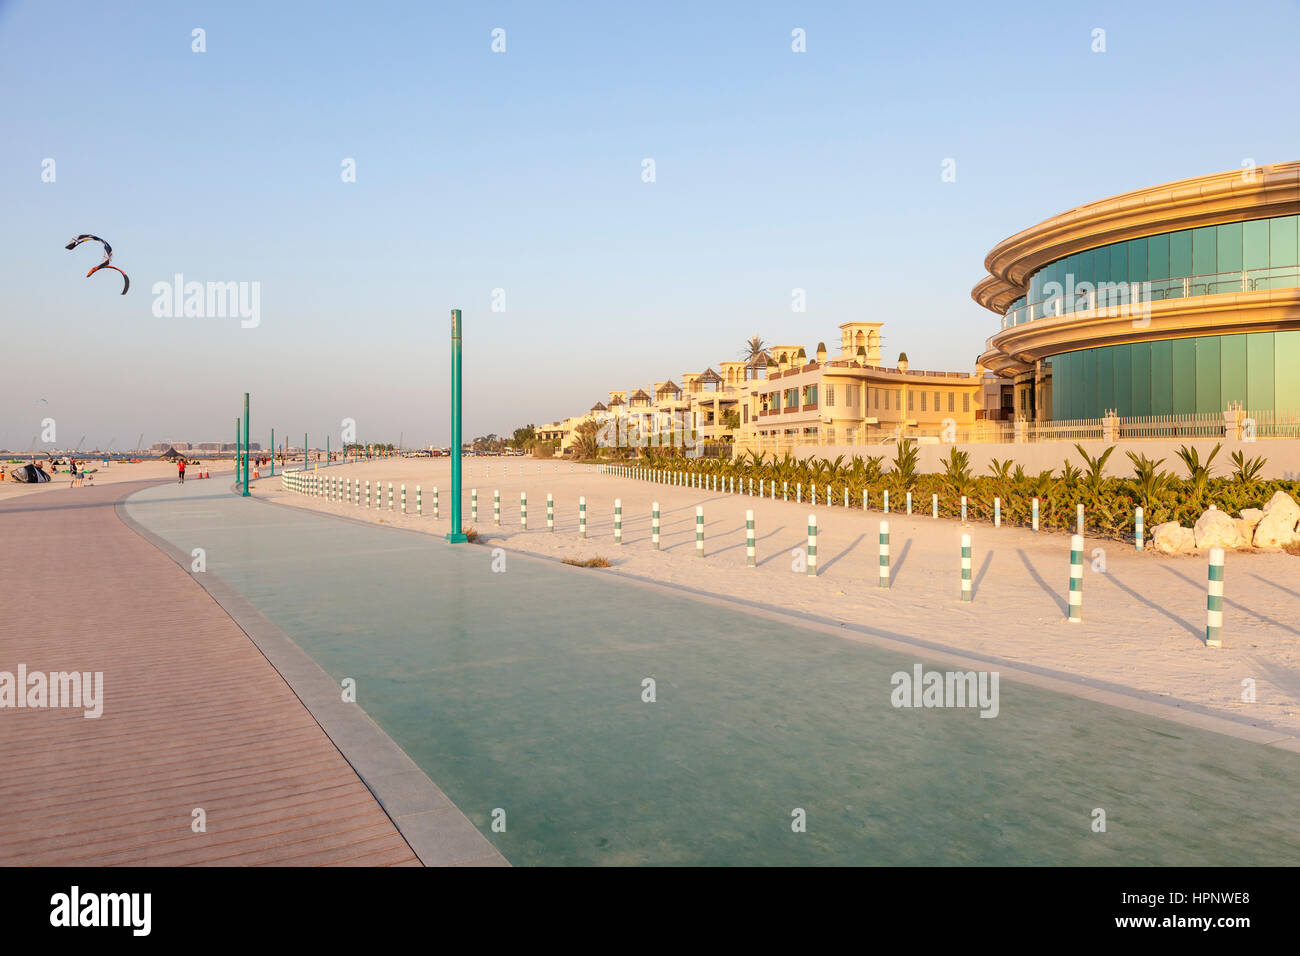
(1108, 295)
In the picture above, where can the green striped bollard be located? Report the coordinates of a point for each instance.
(523, 510)
(1137, 527)
(997, 512)
(846, 496)
(367, 493)
(473, 507)
(699, 531)
(1076, 578)
(812, 546)
(390, 496)
(1035, 516)
(884, 554)
(760, 487)
(934, 505)
(550, 512)
(749, 538)
(828, 496)
(866, 500)
(435, 502)
(798, 493)
(1079, 519)
(403, 499)
(618, 520)
(909, 502)
(654, 525)
(582, 517)
(419, 502)
(1214, 601)
(785, 490)
(965, 568)
(963, 509)
(812, 493)
(886, 501)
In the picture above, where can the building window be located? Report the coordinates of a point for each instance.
(877, 394)
(746, 421)
(952, 407)
(923, 398)
(965, 401)
(830, 396)
(910, 401)
(936, 401)
(886, 401)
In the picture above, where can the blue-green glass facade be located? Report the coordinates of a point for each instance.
(1262, 253)
(1179, 376)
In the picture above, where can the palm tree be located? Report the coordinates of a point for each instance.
(755, 354)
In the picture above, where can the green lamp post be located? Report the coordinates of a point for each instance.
(457, 533)
(248, 432)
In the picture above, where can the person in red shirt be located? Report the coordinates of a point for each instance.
(180, 470)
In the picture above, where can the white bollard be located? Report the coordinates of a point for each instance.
(884, 554)
(965, 568)
(1214, 601)
(1076, 578)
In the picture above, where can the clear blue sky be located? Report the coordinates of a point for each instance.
(522, 171)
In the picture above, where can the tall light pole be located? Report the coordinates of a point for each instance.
(272, 452)
(248, 443)
(457, 534)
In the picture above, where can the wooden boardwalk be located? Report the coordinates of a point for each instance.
(194, 717)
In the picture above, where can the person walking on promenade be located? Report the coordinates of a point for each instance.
(180, 471)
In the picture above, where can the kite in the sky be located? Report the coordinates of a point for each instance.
(108, 255)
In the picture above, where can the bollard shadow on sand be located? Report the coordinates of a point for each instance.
(854, 544)
(979, 578)
(896, 567)
(1038, 579)
(1138, 596)
(1236, 605)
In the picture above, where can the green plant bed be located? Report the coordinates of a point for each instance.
(1108, 503)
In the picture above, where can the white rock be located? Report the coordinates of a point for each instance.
(1251, 516)
(1172, 538)
(1277, 528)
(1287, 504)
(1247, 531)
(1215, 529)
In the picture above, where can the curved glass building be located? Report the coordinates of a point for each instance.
(1175, 300)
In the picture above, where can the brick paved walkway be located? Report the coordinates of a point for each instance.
(193, 714)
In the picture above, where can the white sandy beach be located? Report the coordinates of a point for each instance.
(1143, 617)
(113, 473)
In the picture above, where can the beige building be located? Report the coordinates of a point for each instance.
(854, 399)
(790, 399)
